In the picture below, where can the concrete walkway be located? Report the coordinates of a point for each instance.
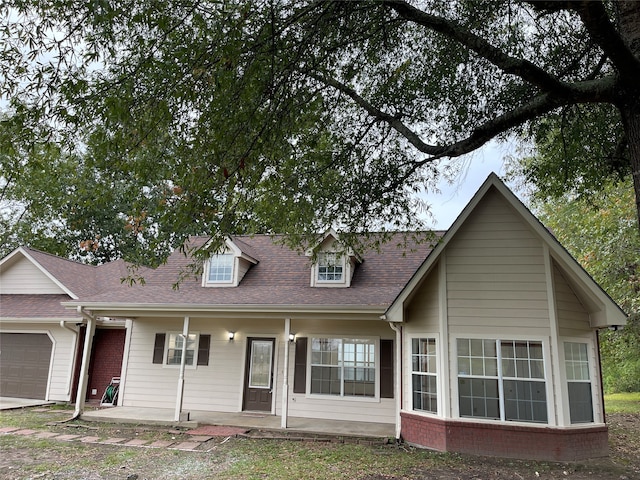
(9, 403)
(164, 416)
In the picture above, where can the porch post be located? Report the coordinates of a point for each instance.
(285, 383)
(83, 380)
(183, 362)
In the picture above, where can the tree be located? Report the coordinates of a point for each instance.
(599, 231)
(293, 116)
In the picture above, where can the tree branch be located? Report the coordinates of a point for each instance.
(597, 22)
(524, 69)
(592, 91)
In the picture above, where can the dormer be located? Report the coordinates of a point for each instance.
(228, 267)
(333, 265)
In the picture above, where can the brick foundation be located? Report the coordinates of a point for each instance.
(505, 440)
(106, 360)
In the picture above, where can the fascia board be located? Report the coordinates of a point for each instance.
(279, 311)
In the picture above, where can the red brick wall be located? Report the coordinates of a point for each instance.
(505, 440)
(106, 360)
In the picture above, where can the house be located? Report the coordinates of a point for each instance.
(482, 340)
(41, 342)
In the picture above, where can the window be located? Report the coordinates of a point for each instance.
(502, 380)
(578, 382)
(423, 374)
(167, 349)
(220, 268)
(343, 367)
(330, 267)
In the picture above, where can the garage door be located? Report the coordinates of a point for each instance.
(24, 364)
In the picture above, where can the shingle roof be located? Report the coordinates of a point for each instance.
(282, 277)
(34, 306)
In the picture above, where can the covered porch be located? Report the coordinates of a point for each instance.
(250, 420)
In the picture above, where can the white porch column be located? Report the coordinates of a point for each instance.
(183, 362)
(285, 383)
(84, 366)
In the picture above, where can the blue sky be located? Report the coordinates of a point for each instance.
(447, 205)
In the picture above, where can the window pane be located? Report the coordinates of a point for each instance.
(580, 406)
(329, 267)
(525, 401)
(424, 380)
(221, 268)
(175, 343)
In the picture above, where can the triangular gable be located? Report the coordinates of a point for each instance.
(330, 237)
(604, 311)
(21, 273)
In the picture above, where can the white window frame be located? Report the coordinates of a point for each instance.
(432, 361)
(325, 262)
(501, 377)
(373, 341)
(167, 343)
(218, 256)
(570, 378)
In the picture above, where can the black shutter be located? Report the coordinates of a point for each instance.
(386, 369)
(158, 348)
(203, 349)
(300, 370)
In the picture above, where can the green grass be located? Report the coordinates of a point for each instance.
(622, 402)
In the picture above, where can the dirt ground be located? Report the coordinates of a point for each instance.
(33, 456)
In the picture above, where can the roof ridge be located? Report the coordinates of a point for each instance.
(57, 257)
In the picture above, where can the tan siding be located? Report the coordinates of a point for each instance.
(495, 273)
(423, 310)
(219, 386)
(25, 278)
(573, 318)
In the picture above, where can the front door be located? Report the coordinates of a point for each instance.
(258, 385)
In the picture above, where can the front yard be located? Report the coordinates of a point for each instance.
(34, 456)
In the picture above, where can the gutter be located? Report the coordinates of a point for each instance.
(84, 366)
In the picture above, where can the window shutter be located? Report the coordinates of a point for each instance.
(300, 370)
(158, 348)
(386, 369)
(204, 344)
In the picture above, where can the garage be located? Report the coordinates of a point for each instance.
(24, 364)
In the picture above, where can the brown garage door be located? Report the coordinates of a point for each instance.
(24, 364)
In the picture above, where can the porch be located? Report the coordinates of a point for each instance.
(250, 420)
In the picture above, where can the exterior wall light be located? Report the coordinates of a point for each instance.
(292, 337)
(231, 335)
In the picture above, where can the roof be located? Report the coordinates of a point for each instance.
(281, 278)
(36, 306)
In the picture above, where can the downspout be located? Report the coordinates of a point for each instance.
(183, 363)
(285, 383)
(84, 366)
(398, 376)
(64, 325)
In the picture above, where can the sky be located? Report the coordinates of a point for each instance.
(449, 203)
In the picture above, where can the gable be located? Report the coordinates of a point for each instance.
(21, 276)
(500, 245)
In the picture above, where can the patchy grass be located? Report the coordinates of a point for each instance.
(622, 403)
(27, 457)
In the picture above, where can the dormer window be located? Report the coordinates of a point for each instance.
(221, 268)
(330, 267)
(227, 268)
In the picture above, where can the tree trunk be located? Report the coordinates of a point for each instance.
(628, 20)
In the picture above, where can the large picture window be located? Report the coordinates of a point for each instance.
(343, 367)
(502, 380)
(424, 374)
(578, 382)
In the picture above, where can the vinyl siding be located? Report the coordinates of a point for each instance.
(62, 353)
(496, 275)
(348, 409)
(24, 277)
(219, 386)
(573, 318)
